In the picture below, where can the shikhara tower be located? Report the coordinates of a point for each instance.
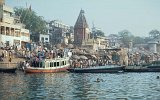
(81, 30)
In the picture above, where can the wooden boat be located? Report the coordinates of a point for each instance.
(98, 69)
(9, 61)
(49, 66)
(8, 67)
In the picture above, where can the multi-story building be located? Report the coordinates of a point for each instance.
(81, 29)
(44, 38)
(114, 41)
(60, 32)
(96, 43)
(12, 32)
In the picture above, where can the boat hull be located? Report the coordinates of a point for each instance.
(8, 70)
(36, 70)
(96, 70)
(7, 67)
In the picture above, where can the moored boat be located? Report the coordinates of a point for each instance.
(154, 66)
(48, 66)
(8, 67)
(98, 69)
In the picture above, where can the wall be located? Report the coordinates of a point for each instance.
(44, 36)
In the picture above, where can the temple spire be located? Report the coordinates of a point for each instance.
(81, 29)
(81, 21)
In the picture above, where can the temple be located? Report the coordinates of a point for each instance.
(81, 30)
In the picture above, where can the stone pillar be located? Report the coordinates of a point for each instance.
(153, 46)
(0, 29)
(13, 31)
(130, 44)
(10, 32)
(4, 29)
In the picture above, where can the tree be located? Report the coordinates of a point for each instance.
(154, 34)
(97, 33)
(125, 37)
(34, 23)
(138, 40)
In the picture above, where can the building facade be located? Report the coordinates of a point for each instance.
(95, 44)
(60, 32)
(81, 29)
(44, 38)
(12, 31)
(114, 41)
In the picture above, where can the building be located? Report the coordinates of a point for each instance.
(12, 31)
(44, 38)
(95, 44)
(81, 30)
(60, 32)
(114, 41)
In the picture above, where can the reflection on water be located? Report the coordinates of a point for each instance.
(70, 86)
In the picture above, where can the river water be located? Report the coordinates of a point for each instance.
(74, 86)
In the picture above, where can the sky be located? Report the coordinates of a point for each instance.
(111, 16)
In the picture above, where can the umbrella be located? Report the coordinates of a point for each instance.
(93, 56)
(83, 57)
(59, 46)
(70, 46)
(75, 57)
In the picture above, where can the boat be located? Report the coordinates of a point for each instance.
(98, 69)
(8, 67)
(151, 67)
(154, 66)
(139, 68)
(48, 66)
(9, 60)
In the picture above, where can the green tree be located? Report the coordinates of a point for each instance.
(97, 33)
(138, 40)
(125, 37)
(33, 22)
(154, 34)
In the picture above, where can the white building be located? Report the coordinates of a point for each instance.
(44, 38)
(114, 41)
(95, 44)
(12, 32)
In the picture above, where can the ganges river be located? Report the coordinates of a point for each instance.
(83, 86)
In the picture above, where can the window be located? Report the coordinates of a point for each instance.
(51, 64)
(7, 43)
(46, 38)
(57, 63)
(42, 39)
(62, 62)
(54, 64)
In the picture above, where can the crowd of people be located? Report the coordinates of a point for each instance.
(37, 56)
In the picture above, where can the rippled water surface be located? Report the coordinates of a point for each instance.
(73, 86)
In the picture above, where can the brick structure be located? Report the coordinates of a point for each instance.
(81, 30)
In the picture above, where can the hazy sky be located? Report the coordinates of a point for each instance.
(112, 16)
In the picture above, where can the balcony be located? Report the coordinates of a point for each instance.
(9, 20)
(8, 9)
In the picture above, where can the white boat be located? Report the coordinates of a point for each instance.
(49, 66)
